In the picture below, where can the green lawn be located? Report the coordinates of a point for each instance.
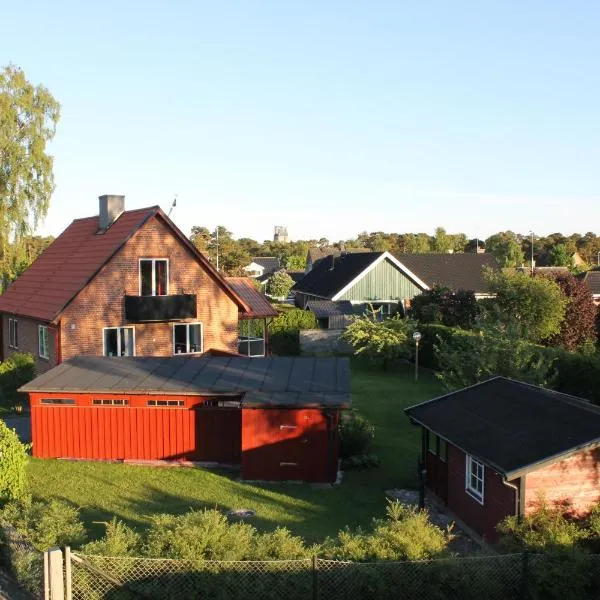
(133, 493)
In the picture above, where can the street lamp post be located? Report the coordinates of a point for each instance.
(532, 265)
(417, 337)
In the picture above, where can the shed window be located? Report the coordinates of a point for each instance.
(475, 484)
(443, 450)
(119, 341)
(13, 333)
(168, 403)
(57, 401)
(154, 277)
(43, 341)
(187, 338)
(110, 402)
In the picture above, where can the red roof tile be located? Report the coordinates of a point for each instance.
(74, 258)
(260, 307)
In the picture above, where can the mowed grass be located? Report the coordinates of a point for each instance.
(134, 493)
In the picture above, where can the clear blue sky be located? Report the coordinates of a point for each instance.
(328, 117)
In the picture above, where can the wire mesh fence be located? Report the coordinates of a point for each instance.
(24, 561)
(520, 576)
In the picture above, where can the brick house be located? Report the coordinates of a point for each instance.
(122, 283)
(501, 447)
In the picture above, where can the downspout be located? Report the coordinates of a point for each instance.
(331, 469)
(517, 491)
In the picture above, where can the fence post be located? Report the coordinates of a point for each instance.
(46, 576)
(68, 588)
(55, 574)
(524, 574)
(315, 575)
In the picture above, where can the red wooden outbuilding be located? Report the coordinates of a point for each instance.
(277, 418)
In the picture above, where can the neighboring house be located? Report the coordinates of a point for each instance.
(122, 283)
(387, 282)
(592, 280)
(277, 418)
(314, 255)
(497, 448)
(252, 329)
(330, 314)
(262, 266)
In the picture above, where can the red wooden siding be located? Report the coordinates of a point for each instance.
(284, 444)
(135, 431)
(499, 500)
(573, 483)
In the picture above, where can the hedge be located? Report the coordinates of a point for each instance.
(15, 371)
(284, 329)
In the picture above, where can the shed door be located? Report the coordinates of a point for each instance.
(218, 435)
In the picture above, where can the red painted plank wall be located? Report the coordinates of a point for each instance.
(285, 444)
(135, 431)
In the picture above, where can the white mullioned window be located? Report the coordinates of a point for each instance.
(13, 333)
(118, 341)
(154, 276)
(187, 338)
(475, 478)
(43, 349)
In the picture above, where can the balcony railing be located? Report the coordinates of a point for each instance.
(139, 309)
(251, 346)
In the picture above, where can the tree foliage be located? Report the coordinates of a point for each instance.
(28, 118)
(380, 341)
(579, 325)
(497, 349)
(506, 248)
(442, 305)
(12, 464)
(537, 304)
(559, 256)
(279, 285)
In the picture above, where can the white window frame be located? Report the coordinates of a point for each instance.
(474, 492)
(187, 335)
(43, 349)
(118, 328)
(13, 336)
(153, 260)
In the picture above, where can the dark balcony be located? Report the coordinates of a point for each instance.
(140, 309)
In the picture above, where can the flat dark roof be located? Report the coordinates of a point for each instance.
(278, 381)
(509, 425)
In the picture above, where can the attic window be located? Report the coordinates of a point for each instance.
(154, 277)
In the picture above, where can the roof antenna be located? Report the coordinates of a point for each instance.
(172, 206)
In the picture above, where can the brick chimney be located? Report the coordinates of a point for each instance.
(111, 208)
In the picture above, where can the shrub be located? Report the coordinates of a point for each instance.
(442, 305)
(283, 330)
(45, 524)
(15, 371)
(405, 534)
(356, 434)
(118, 540)
(280, 544)
(279, 285)
(12, 464)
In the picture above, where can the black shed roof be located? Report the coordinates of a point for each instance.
(511, 426)
(277, 381)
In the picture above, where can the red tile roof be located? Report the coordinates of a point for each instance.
(74, 258)
(260, 307)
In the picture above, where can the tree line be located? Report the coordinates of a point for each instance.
(509, 248)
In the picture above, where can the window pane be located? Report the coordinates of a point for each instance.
(110, 342)
(127, 342)
(195, 334)
(180, 337)
(161, 277)
(15, 334)
(146, 277)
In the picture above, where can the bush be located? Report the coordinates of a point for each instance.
(577, 374)
(442, 305)
(356, 435)
(13, 462)
(45, 524)
(283, 330)
(15, 371)
(118, 540)
(405, 534)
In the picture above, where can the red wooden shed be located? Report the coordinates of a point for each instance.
(275, 417)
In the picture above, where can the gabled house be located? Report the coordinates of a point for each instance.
(122, 283)
(502, 447)
(389, 282)
(262, 265)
